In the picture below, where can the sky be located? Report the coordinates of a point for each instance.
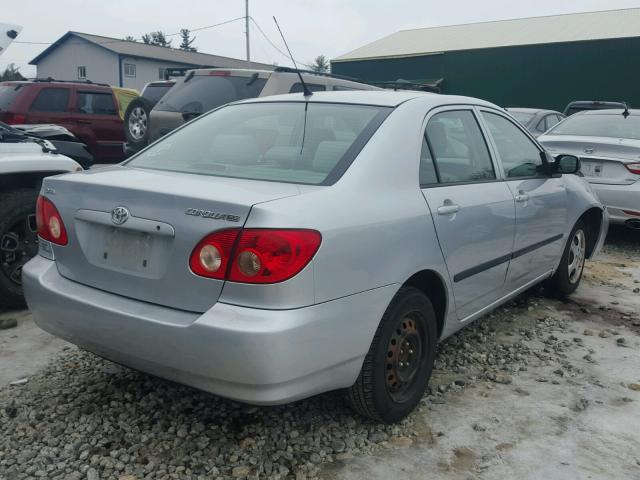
(311, 27)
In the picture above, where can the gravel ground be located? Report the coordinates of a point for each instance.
(85, 418)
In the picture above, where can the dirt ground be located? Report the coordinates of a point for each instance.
(538, 389)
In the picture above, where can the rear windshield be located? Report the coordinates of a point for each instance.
(604, 125)
(153, 93)
(201, 93)
(522, 117)
(309, 143)
(8, 94)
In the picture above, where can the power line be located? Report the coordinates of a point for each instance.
(274, 45)
(140, 39)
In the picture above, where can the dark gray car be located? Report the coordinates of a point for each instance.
(536, 120)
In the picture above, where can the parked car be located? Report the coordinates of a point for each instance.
(202, 90)
(65, 142)
(88, 110)
(608, 144)
(581, 105)
(536, 120)
(281, 247)
(23, 165)
(136, 117)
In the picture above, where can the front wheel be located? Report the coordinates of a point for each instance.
(398, 366)
(569, 272)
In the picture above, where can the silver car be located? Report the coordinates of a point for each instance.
(278, 248)
(608, 144)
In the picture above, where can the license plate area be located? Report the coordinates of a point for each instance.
(128, 250)
(591, 168)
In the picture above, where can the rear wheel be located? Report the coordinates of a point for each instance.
(569, 272)
(18, 243)
(398, 366)
(136, 122)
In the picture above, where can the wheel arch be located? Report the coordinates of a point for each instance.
(19, 180)
(592, 220)
(433, 286)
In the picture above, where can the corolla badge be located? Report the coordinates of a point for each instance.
(589, 150)
(119, 215)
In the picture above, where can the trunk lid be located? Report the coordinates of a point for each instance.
(146, 257)
(603, 159)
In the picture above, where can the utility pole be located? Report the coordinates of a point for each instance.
(246, 27)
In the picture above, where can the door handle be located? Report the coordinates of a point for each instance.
(448, 209)
(522, 197)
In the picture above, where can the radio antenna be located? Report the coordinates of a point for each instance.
(305, 89)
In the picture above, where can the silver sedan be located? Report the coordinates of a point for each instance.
(281, 247)
(608, 144)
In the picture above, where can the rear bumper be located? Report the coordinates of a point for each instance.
(251, 355)
(618, 198)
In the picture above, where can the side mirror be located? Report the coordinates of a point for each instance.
(567, 164)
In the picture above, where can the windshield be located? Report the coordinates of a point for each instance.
(522, 117)
(201, 93)
(603, 125)
(288, 142)
(8, 93)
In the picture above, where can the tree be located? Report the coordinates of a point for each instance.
(156, 38)
(11, 72)
(187, 41)
(129, 38)
(320, 64)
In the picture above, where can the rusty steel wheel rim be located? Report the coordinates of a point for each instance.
(404, 357)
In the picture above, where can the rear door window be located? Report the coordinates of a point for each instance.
(459, 149)
(153, 93)
(51, 100)
(201, 93)
(95, 103)
(8, 93)
(276, 141)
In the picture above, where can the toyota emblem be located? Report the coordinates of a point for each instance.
(119, 215)
(589, 150)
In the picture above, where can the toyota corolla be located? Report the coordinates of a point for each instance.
(282, 247)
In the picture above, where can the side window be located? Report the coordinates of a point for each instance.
(461, 154)
(542, 124)
(51, 100)
(519, 155)
(428, 174)
(314, 87)
(552, 120)
(95, 103)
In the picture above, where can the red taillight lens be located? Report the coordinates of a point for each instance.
(49, 222)
(633, 167)
(271, 256)
(219, 73)
(211, 256)
(254, 255)
(15, 118)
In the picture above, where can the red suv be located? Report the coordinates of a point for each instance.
(88, 110)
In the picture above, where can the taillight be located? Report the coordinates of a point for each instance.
(633, 167)
(49, 222)
(15, 118)
(254, 255)
(211, 256)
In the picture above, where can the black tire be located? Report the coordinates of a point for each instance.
(18, 243)
(136, 122)
(374, 394)
(563, 282)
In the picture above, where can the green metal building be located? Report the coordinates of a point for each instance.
(532, 62)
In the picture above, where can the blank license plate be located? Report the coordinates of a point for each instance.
(127, 249)
(592, 169)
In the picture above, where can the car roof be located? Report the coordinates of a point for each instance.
(530, 110)
(383, 98)
(609, 111)
(578, 103)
